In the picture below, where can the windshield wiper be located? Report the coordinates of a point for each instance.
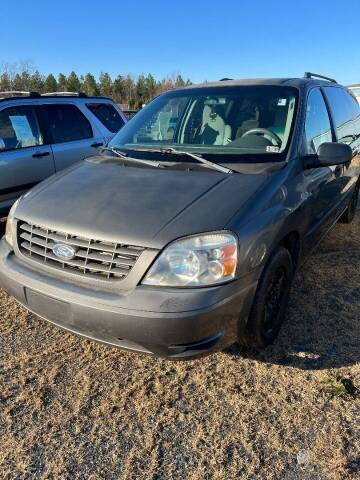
(173, 151)
(124, 156)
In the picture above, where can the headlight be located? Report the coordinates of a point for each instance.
(202, 260)
(10, 230)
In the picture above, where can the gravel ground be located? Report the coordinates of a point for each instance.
(73, 409)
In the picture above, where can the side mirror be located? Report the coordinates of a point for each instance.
(2, 144)
(330, 154)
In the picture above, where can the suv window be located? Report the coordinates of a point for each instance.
(19, 128)
(355, 109)
(67, 123)
(345, 111)
(317, 123)
(107, 114)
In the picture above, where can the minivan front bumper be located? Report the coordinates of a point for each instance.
(176, 323)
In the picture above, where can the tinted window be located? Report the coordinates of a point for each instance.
(67, 123)
(317, 124)
(19, 128)
(344, 111)
(107, 115)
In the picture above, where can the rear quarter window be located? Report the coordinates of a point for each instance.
(108, 115)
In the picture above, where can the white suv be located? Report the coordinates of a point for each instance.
(42, 134)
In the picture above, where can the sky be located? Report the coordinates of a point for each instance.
(202, 40)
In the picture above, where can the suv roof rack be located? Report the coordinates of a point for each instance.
(18, 93)
(316, 75)
(225, 79)
(65, 94)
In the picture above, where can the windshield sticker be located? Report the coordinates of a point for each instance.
(282, 102)
(273, 149)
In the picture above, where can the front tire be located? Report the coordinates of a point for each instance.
(270, 302)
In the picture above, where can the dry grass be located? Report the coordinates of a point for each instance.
(72, 409)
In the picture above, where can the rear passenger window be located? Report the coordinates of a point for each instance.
(107, 115)
(67, 123)
(354, 105)
(19, 128)
(345, 111)
(317, 123)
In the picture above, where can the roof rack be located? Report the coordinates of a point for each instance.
(225, 79)
(65, 94)
(18, 93)
(316, 75)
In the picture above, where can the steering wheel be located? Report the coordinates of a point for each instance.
(268, 134)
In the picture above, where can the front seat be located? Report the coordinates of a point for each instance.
(214, 131)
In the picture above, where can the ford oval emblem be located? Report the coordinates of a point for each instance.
(64, 252)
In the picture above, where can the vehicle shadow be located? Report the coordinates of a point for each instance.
(322, 329)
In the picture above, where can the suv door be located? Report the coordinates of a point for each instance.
(25, 159)
(323, 184)
(72, 136)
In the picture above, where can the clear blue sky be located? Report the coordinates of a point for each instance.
(199, 39)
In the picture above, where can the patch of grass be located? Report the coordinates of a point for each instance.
(340, 387)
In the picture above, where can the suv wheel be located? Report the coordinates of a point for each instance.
(349, 214)
(270, 301)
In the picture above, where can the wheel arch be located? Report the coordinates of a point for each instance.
(292, 242)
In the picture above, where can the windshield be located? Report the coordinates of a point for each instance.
(240, 121)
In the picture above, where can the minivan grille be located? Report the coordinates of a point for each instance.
(92, 258)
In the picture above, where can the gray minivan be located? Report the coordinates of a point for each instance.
(184, 234)
(43, 134)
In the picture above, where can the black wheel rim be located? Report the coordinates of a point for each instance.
(273, 303)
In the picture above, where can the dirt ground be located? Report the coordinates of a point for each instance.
(73, 409)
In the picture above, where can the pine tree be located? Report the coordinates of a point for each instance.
(62, 83)
(17, 83)
(89, 86)
(26, 80)
(50, 84)
(105, 84)
(151, 86)
(129, 88)
(119, 89)
(36, 83)
(73, 82)
(5, 84)
(141, 91)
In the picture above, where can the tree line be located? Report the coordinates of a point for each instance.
(125, 89)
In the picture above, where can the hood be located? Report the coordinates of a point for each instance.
(136, 205)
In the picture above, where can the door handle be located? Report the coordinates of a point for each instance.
(96, 144)
(41, 154)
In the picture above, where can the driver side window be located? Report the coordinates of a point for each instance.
(317, 123)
